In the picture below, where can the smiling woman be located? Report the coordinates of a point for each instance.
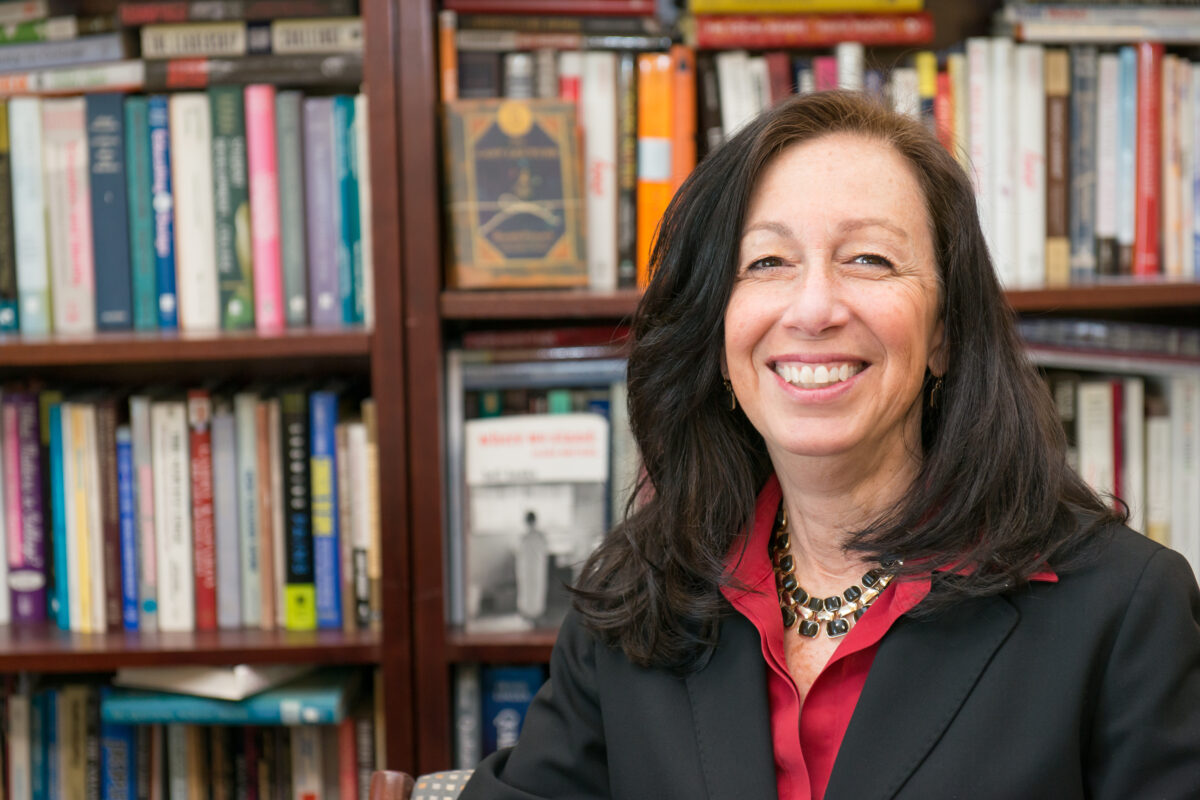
(859, 565)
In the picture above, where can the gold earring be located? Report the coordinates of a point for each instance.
(933, 393)
(732, 396)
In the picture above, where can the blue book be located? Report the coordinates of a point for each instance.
(141, 213)
(110, 211)
(128, 516)
(349, 250)
(118, 760)
(50, 719)
(320, 698)
(1082, 225)
(322, 409)
(58, 505)
(37, 748)
(507, 693)
(162, 202)
(1126, 155)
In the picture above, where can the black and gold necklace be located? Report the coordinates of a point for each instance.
(838, 613)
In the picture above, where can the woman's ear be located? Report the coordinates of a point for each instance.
(937, 351)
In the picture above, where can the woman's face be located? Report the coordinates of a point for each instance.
(833, 317)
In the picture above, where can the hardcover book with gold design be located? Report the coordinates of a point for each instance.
(515, 200)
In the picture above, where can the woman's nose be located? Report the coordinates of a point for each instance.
(817, 303)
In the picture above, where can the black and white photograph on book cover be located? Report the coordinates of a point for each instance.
(536, 508)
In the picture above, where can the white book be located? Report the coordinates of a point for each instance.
(1030, 108)
(906, 92)
(68, 214)
(468, 716)
(626, 463)
(225, 517)
(850, 56)
(1187, 252)
(760, 85)
(95, 544)
(1107, 109)
(1158, 478)
(20, 753)
(1002, 165)
(245, 409)
(195, 221)
(363, 153)
(173, 515)
(1171, 175)
(360, 499)
(1184, 405)
(234, 682)
(1133, 450)
(307, 782)
(979, 139)
(29, 215)
(1094, 429)
(599, 107)
(734, 87)
(147, 548)
(956, 66)
(1194, 134)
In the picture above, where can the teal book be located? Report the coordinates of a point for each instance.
(319, 698)
(141, 213)
(231, 198)
(9, 295)
(349, 249)
(58, 508)
(289, 145)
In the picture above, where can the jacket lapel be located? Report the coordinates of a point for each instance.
(922, 674)
(732, 716)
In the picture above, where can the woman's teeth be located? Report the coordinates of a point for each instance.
(809, 376)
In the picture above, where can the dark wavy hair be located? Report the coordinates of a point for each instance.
(993, 493)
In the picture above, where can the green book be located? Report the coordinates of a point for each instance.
(141, 213)
(289, 145)
(231, 202)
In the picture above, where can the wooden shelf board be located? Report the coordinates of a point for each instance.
(173, 347)
(44, 648)
(495, 648)
(531, 304)
(583, 304)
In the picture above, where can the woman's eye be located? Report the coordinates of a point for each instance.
(765, 263)
(872, 259)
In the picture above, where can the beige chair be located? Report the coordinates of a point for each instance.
(387, 785)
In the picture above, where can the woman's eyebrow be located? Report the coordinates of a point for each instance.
(771, 226)
(850, 225)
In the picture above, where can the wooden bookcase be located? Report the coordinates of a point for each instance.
(431, 314)
(377, 355)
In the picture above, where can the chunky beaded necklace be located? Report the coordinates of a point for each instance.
(837, 612)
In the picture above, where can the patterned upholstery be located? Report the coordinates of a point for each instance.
(440, 785)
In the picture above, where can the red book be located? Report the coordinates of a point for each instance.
(608, 8)
(199, 407)
(1149, 159)
(943, 111)
(763, 32)
(131, 14)
(779, 75)
(347, 758)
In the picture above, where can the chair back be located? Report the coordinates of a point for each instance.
(434, 786)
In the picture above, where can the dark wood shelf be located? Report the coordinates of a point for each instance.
(1122, 295)
(499, 648)
(44, 648)
(174, 347)
(531, 304)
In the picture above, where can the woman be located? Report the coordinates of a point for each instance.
(862, 568)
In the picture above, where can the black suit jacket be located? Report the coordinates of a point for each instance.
(1087, 688)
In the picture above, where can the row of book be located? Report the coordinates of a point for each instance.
(227, 209)
(70, 738)
(246, 508)
(490, 702)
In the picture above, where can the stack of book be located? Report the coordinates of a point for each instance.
(239, 206)
(490, 702)
(247, 508)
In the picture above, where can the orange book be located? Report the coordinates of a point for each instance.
(683, 114)
(266, 513)
(448, 55)
(654, 153)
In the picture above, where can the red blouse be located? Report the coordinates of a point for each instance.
(807, 739)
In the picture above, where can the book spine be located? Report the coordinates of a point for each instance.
(147, 550)
(683, 114)
(27, 572)
(654, 153)
(172, 507)
(10, 502)
(289, 145)
(134, 14)
(979, 138)
(794, 31)
(349, 249)
(78, 534)
(1058, 248)
(118, 766)
(72, 740)
(307, 780)
(163, 204)
(358, 491)
(69, 213)
(590, 7)
(1126, 159)
(468, 716)
(1158, 474)
(627, 170)
(324, 35)
(53, 759)
(45, 55)
(231, 210)
(277, 528)
(1030, 167)
(199, 412)
(1133, 434)
(374, 544)
(803, 6)
(138, 189)
(599, 115)
(299, 586)
(127, 507)
(58, 508)
(1169, 175)
(225, 513)
(708, 99)
(1149, 155)
(263, 169)
(346, 514)
(342, 71)
(245, 407)
(9, 293)
(324, 494)
(1003, 194)
(176, 758)
(507, 693)
(1184, 404)
(1183, 90)
(365, 210)
(323, 213)
(106, 445)
(16, 13)
(110, 211)
(29, 215)
(232, 38)
(195, 222)
(1094, 421)
(1083, 163)
(1193, 243)
(266, 514)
